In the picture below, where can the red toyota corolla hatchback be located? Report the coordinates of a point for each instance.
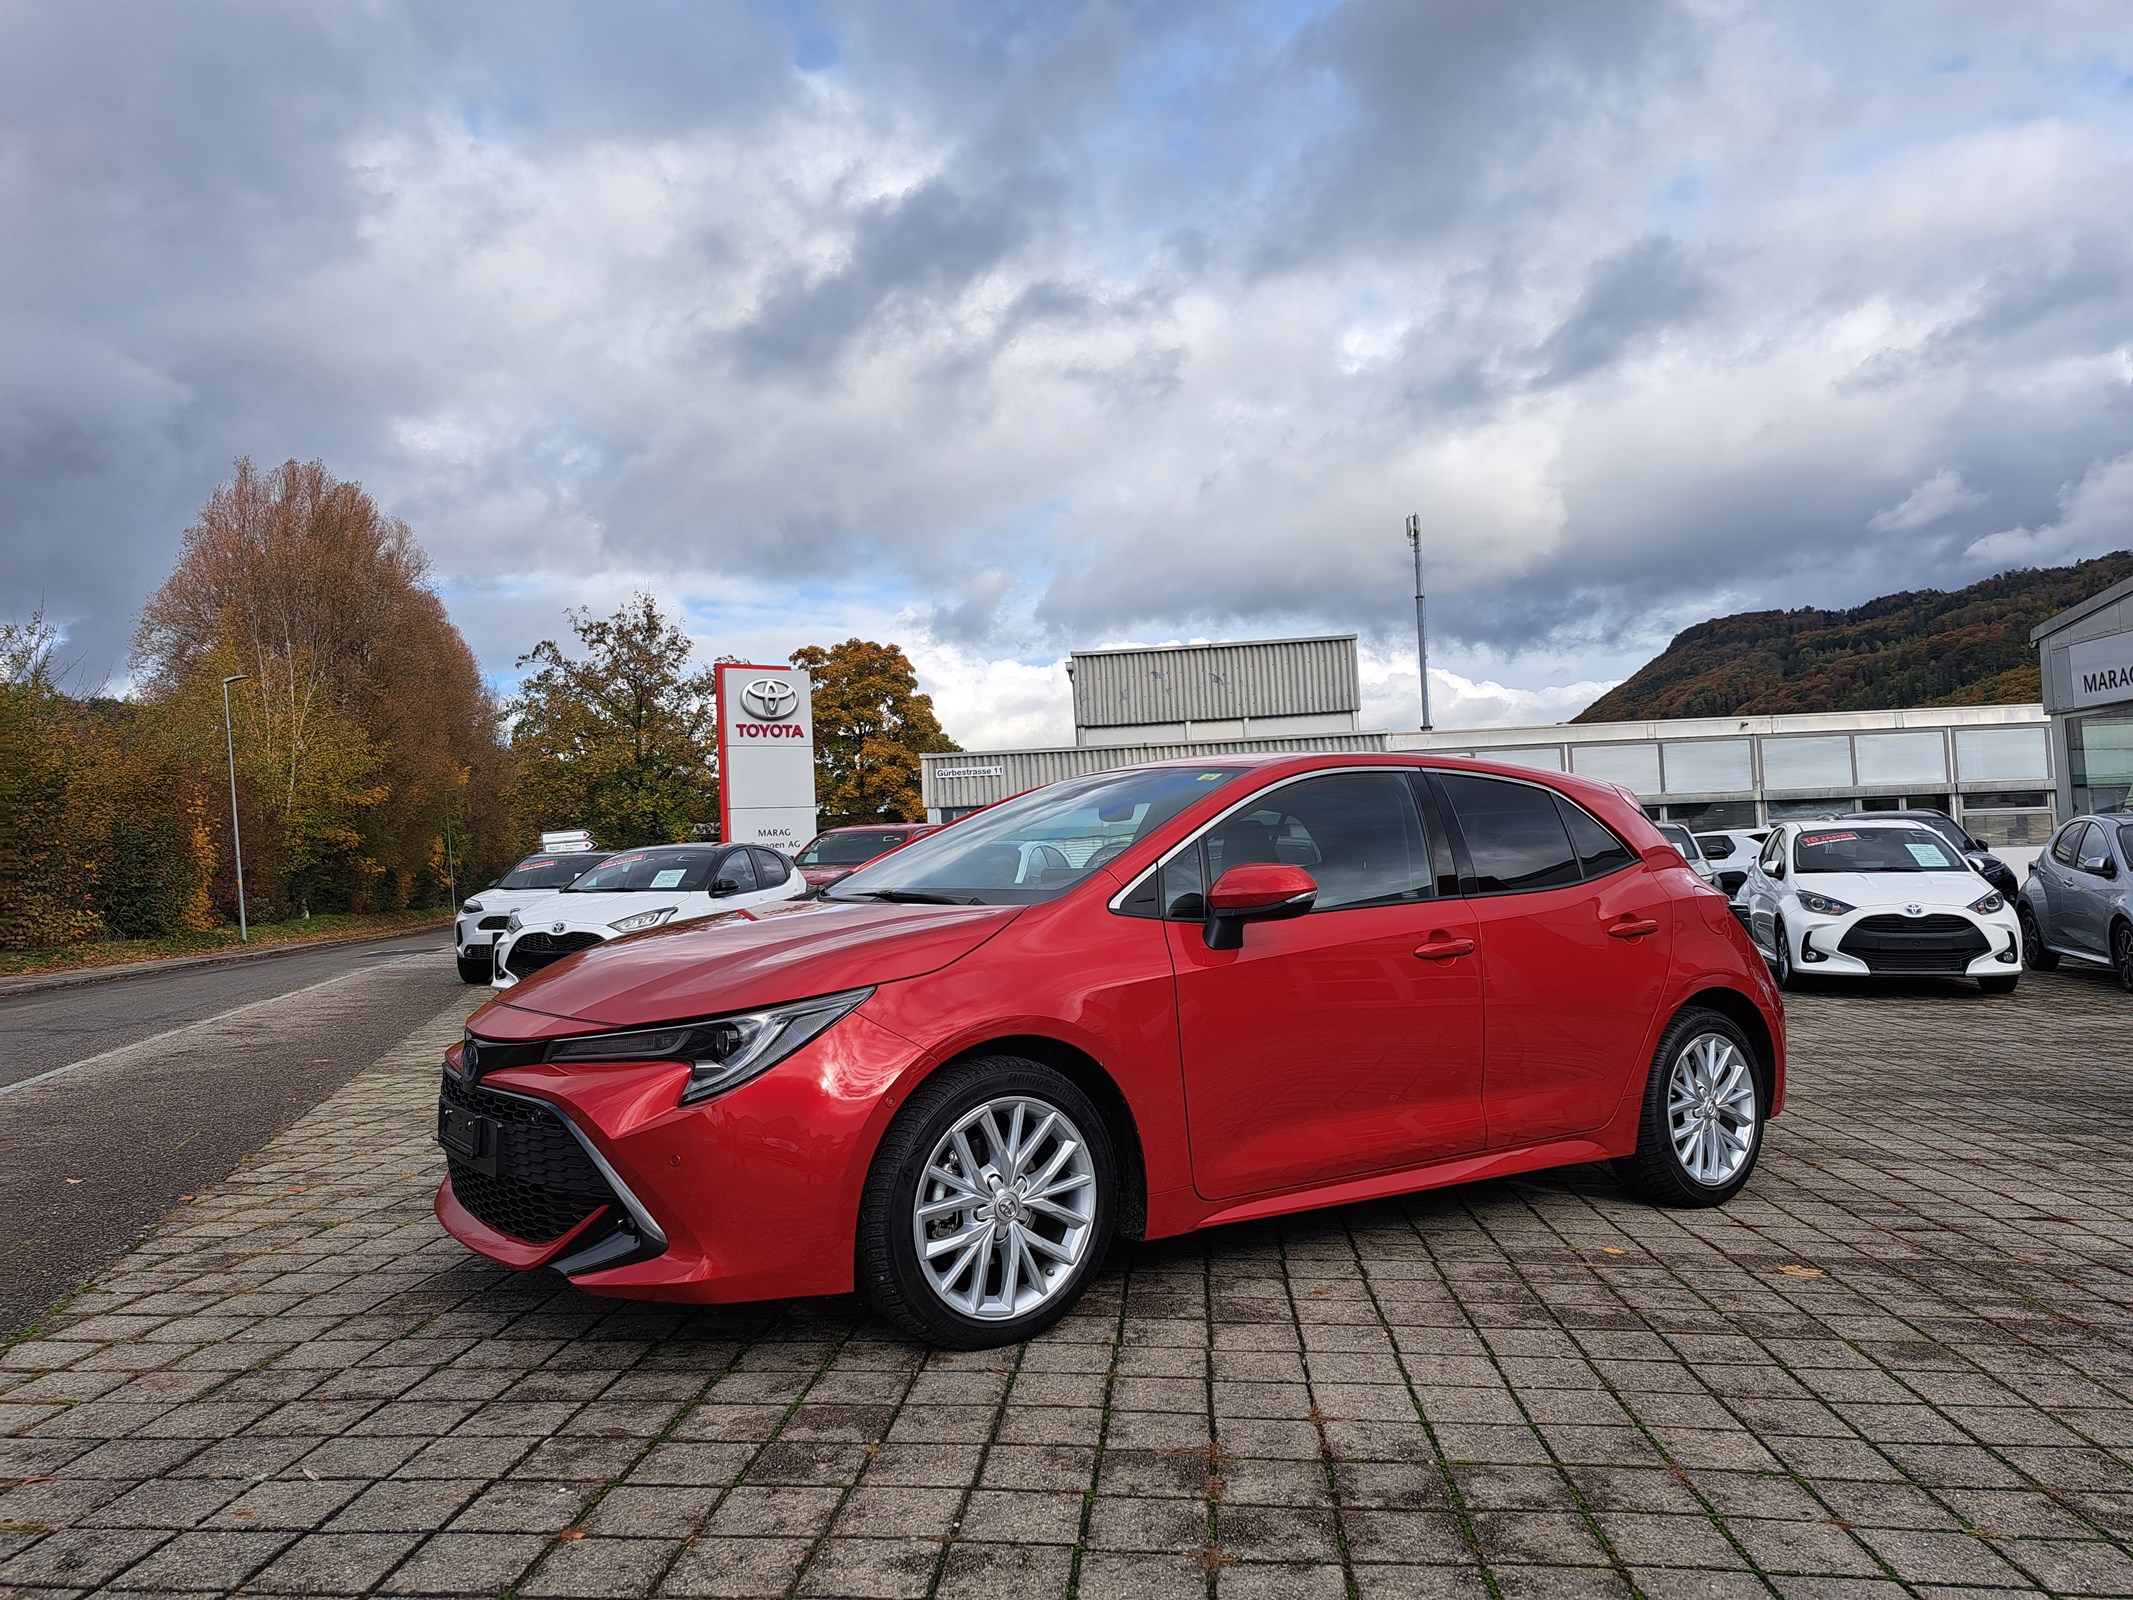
(1142, 1002)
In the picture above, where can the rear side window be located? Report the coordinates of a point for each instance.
(1515, 836)
(770, 868)
(1599, 851)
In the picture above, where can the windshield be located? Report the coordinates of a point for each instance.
(685, 869)
(548, 872)
(1875, 850)
(1038, 845)
(850, 849)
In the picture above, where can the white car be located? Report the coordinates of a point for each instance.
(482, 920)
(1691, 850)
(1860, 898)
(640, 889)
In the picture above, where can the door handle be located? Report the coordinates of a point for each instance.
(1443, 947)
(1628, 927)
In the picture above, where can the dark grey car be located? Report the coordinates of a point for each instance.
(2078, 900)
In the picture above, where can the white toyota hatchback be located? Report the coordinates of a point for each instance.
(640, 889)
(482, 920)
(1861, 898)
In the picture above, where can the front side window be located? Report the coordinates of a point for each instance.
(686, 870)
(1773, 853)
(2063, 846)
(736, 874)
(1036, 846)
(1875, 850)
(2091, 852)
(1515, 835)
(1358, 834)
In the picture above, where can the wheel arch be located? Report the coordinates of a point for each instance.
(1746, 1015)
(1088, 1075)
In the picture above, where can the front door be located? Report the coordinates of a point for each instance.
(1575, 937)
(1343, 1042)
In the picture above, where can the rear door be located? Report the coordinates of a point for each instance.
(1343, 1042)
(2083, 904)
(1575, 936)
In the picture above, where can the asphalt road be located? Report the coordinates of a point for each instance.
(119, 1099)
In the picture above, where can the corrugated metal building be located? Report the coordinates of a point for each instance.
(956, 784)
(1254, 689)
(2086, 652)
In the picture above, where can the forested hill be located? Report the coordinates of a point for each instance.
(1924, 647)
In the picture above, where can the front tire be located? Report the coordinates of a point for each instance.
(2122, 955)
(1788, 975)
(990, 1202)
(2034, 954)
(1998, 985)
(1704, 1109)
(475, 969)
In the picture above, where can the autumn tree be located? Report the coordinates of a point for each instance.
(871, 727)
(620, 739)
(363, 716)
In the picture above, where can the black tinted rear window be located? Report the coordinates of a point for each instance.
(1514, 833)
(1599, 851)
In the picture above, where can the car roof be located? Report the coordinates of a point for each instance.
(873, 827)
(1864, 819)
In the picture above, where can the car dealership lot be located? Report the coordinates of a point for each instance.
(1901, 1361)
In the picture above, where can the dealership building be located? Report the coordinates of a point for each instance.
(2086, 654)
(1998, 768)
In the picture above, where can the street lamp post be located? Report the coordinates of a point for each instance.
(1414, 543)
(229, 744)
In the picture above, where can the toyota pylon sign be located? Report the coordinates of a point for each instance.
(766, 756)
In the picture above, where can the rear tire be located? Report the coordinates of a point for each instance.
(475, 969)
(973, 1136)
(1684, 1157)
(1998, 985)
(2034, 955)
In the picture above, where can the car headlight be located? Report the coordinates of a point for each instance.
(643, 919)
(1986, 905)
(1823, 905)
(471, 905)
(723, 1052)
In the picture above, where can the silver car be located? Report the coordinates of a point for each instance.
(1691, 851)
(2078, 900)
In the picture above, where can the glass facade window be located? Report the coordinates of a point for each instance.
(1816, 762)
(1547, 757)
(1708, 766)
(2001, 755)
(2099, 759)
(1709, 816)
(2008, 828)
(1807, 810)
(1634, 766)
(1887, 759)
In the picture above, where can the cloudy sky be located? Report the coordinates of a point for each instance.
(1006, 327)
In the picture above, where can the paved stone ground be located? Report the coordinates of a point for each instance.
(1901, 1363)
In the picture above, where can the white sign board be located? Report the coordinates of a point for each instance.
(2103, 669)
(766, 756)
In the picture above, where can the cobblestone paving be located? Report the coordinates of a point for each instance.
(1901, 1363)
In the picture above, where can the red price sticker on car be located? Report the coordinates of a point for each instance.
(1828, 838)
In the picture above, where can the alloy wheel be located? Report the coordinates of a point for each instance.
(1710, 1109)
(2122, 956)
(1005, 1209)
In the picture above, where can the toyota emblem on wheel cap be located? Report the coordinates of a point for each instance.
(772, 699)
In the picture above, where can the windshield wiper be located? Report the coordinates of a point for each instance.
(915, 897)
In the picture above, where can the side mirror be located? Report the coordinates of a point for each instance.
(1258, 891)
(2102, 866)
(1776, 869)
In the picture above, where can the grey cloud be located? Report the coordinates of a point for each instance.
(1649, 286)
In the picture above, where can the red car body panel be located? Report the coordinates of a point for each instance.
(1476, 1037)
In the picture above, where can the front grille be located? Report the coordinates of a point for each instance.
(542, 1184)
(533, 951)
(1939, 943)
(494, 924)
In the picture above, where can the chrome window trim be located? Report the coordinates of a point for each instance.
(630, 1203)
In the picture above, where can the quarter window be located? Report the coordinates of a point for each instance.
(770, 868)
(1357, 834)
(1599, 851)
(1515, 836)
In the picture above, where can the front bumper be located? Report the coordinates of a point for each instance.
(474, 936)
(752, 1195)
(1880, 942)
(522, 954)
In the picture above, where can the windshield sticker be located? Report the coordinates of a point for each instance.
(1927, 855)
(670, 878)
(624, 861)
(1828, 838)
(1211, 777)
(543, 861)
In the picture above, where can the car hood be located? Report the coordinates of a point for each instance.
(820, 876)
(598, 908)
(1865, 889)
(743, 960)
